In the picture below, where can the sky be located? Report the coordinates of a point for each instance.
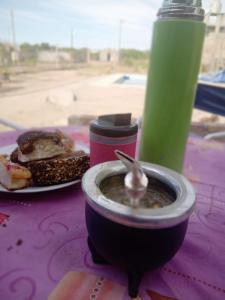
(92, 23)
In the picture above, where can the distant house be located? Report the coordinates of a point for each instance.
(54, 56)
(15, 55)
(9, 55)
(109, 55)
(213, 57)
(81, 55)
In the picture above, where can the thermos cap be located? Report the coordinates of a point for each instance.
(117, 125)
(187, 9)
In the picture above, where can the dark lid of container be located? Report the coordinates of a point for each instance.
(115, 125)
(186, 9)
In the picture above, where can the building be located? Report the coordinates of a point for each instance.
(81, 55)
(54, 56)
(109, 55)
(15, 56)
(57, 56)
(213, 57)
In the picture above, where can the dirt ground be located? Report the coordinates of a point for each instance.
(50, 98)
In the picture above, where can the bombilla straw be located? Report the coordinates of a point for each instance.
(135, 181)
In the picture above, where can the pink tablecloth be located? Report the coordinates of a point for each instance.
(43, 236)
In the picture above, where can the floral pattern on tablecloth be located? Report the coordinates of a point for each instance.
(45, 236)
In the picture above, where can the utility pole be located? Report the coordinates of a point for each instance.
(120, 40)
(71, 45)
(71, 39)
(56, 57)
(13, 29)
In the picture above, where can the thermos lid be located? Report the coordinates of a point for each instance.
(187, 9)
(115, 125)
(167, 216)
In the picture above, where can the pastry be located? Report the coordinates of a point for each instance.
(66, 140)
(14, 156)
(35, 145)
(13, 176)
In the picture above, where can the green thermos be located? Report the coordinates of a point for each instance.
(173, 72)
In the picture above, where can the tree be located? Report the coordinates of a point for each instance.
(46, 46)
(5, 58)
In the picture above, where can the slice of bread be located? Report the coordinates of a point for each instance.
(61, 169)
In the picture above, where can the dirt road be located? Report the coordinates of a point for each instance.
(50, 98)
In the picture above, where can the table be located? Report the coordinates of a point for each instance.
(43, 236)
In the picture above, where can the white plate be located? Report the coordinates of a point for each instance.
(9, 149)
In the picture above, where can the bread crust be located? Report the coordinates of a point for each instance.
(61, 169)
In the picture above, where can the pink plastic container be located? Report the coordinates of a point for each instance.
(111, 132)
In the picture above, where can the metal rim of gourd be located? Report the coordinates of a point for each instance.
(165, 217)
